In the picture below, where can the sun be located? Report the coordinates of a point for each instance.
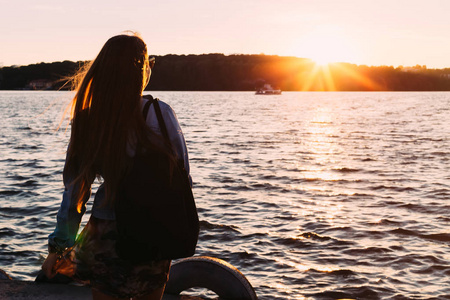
(329, 48)
(326, 45)
(323, 58)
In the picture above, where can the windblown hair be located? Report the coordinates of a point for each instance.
(106, 115)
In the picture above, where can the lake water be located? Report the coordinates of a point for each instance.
(310, 195)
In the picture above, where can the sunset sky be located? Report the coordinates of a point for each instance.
(382, 32)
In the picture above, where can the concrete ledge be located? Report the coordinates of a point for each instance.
(13, 289)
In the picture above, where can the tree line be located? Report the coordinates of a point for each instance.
(219, 72)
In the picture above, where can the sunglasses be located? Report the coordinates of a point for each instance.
(151, 62)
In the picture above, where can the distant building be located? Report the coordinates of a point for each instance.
(40, 84)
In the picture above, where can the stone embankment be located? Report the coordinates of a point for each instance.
(23, 290)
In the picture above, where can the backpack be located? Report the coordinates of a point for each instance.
(155, 209)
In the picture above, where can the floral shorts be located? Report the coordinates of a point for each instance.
(93, 261)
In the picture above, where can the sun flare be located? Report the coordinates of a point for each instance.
(330, 49)
(326, 54)
(326, 45)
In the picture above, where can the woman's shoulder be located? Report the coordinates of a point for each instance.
(165, 107)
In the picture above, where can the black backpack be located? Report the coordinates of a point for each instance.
(155, 210)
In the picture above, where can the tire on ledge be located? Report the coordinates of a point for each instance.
(4, 275)
(211, 273)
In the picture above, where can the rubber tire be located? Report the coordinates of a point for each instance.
(4, 275)
(211, 273)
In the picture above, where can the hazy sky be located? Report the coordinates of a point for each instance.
(381, 32)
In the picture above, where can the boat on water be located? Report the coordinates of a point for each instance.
(267, 90)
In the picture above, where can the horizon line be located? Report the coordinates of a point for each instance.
(244, 54)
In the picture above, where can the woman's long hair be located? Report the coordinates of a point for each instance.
(106, 115)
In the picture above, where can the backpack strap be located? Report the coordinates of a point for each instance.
(162, 125)
(146, 107)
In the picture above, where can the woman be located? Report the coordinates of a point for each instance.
(107, 124)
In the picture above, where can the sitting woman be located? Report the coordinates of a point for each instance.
(107, 124)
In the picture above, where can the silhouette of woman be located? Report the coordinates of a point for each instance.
(107, 124)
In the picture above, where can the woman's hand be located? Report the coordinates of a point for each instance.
(49, 265)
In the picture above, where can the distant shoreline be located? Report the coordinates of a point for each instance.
(218, 72)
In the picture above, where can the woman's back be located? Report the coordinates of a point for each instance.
(107, 127)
